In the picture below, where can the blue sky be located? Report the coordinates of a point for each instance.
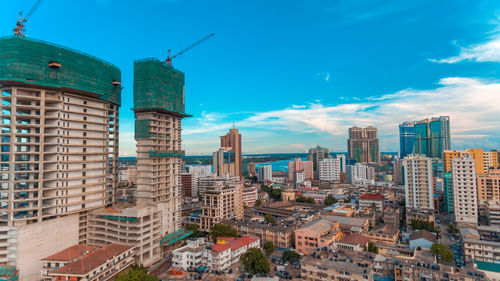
(294, 74)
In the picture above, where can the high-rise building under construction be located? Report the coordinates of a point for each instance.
(363, 145)
(59, 147)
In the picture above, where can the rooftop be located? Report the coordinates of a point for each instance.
(372, 196)
(355, 239)
(71, 253)
(87, 263)
(423, 234)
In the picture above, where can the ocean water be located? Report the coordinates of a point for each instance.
(280, 165)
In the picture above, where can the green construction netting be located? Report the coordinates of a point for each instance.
(158, 86)
(27, 60)
(142, 129)
(166, 153)
(119, 218)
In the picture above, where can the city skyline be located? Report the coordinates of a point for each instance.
(412, 63)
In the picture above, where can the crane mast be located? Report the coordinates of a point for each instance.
(20, 28)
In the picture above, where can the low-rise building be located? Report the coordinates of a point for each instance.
(218, 257)
(88, 263)
(392, 217)
(350, 225)
(288, 195)
(280, 234)
(385, 234)
(313, 269)
(372, 201)
(423, 239)
(352, 242)
(319, 233)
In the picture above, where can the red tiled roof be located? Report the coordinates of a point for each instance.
(235, 244)
(371, 196)
(88, 263)
(225, 238)
(220, 247)
(355, 238)
(70, 253)
(242, 241)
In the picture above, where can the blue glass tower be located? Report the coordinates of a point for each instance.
(432, 136)
(406, 139)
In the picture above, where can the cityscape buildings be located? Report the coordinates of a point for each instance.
(419, 193)
(316, 155)
(363, 145)
(225, 162)
(406, 139)
(59, 153)
(464, 190)
(264, 173)
(432, 136)
(329, 169)
(232, 142)
(299, 166)
(221, 203)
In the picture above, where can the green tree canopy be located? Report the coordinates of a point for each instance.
(443, 251)
(223, 230)
(371, 248)
(269, 218)
(330, 200)
(136, 273)
(194, 228)
(268, 247)
(291, 256)
(255, 262)
(303, 199)
(417, 224)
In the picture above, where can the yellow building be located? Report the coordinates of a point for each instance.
(484, 159)
(488, 186)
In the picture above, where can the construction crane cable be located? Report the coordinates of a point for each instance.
(33, 9)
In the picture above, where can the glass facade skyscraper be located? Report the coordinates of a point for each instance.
(406, 138)
(430, 137)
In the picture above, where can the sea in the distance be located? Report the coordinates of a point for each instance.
(280, 165)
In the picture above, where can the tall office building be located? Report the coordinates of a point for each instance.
(299, 166)
(363, 145)
(232, 141)
(252, 170)
(264, 173)
(406, 139)
(59, 147)
(224, 163)
(418, 182)
(329, 169)
(464, 190)
(398, 172)
(316, 155)
(360, 174)
(432, 136)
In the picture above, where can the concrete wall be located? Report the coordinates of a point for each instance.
(40, 240)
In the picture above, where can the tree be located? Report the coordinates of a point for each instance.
(303, 199)
(443, 251)
(371, 248)
(269, 218)
(136, 273)
(290, 256)
(258, 202)
(223, 230)
(255, 262)
(268, 247)
(196, 232)
(452, 229)
(417, 224)
(330, 200)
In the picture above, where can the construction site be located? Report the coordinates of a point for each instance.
(59, 158)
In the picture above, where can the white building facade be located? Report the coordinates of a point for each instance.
(329, 169)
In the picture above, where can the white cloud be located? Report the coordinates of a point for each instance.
(488, 51)
(327, 76)
(470, 103)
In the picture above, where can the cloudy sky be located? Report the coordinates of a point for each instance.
(294, 74)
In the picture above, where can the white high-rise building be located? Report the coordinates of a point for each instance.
(329, 169)
(464, 190)
(418, 182)
(358, 174)
(200, 171)
(265, 173)
(59, 148)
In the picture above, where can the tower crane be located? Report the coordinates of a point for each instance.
(169, 58)
(19, 30)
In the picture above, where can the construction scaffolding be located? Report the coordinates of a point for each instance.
(35, 62)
